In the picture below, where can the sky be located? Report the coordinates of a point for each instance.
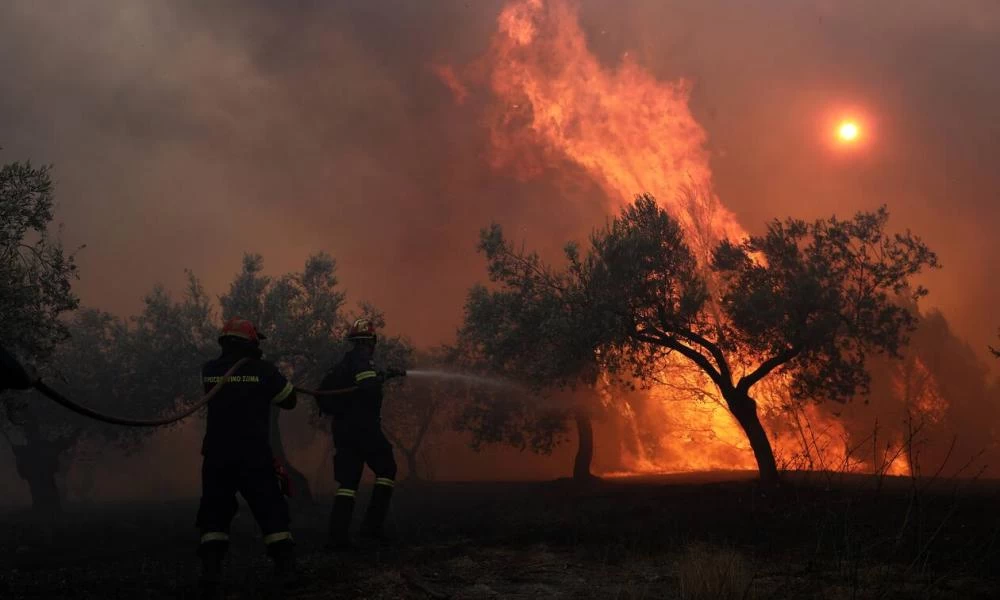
(186, 133)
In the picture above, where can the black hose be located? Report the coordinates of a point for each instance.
(318, 393)
(113, 420)
(93, 414)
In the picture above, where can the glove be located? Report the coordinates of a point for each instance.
(284, 481)
(390, 373)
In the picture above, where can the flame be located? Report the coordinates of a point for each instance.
(632, 133)
(916, 388)
(447, 75)
(629, 131)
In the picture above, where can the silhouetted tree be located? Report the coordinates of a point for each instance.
(534, 327)
(418, 410)
(521, 420)
(809, 301)
(143, 367)
(36, 274)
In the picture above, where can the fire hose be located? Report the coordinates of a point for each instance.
(79, 409)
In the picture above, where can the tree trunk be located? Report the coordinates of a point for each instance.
(300, 484)
(585, 447)
(744, 409)
(411, 464)
(37, 464)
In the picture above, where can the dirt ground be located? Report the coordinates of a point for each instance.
(669, 537)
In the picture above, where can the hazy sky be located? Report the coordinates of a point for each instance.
(183, 135)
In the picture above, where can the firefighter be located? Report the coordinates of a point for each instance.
(237, 453)
(358, 437)
(13, 375)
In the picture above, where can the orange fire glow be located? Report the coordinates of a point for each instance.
(632, 134)
(916, 388)
(447, 75)
(629, 131)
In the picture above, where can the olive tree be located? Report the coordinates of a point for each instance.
(809, 302)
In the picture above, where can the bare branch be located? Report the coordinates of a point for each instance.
(696, 357)
(767, 367)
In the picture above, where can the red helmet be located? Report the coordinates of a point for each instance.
(238, 327)
(362, 329)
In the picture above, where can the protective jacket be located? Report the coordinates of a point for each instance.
(239, 417)
(360, 408)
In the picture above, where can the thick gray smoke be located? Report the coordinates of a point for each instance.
(185, 133)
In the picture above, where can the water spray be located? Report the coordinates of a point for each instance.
(467, 378)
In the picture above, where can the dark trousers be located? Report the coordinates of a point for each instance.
(254, 478)
(356, 447)
(355, 450)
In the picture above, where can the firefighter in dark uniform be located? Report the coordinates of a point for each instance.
(237, 453)
(357, 436)
(12, 374)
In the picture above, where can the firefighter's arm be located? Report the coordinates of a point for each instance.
(285, 398)
(289, 401)
(333, 380)
(282, 390)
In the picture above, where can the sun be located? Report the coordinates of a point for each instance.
(848, 131)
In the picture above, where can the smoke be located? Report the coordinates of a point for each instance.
(186, 133)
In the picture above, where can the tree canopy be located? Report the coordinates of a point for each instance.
(36, 273)
(534, 326)
(806, 301)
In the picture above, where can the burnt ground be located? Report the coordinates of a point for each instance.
(821, 537)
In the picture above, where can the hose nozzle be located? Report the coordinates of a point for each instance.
(391, 373)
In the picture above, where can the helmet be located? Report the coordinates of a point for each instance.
(362, 329)
(238, 327)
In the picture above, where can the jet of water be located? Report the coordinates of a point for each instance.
(539, 401)
(470, 379)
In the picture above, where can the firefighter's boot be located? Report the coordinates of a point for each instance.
(212, 554)
(282, 553)
(340, 521)
(378, 509)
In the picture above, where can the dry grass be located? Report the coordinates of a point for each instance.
(622, 541)
(712, 573)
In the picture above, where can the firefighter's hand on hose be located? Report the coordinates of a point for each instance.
(284, 479)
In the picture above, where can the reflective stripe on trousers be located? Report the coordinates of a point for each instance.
(277, 537)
